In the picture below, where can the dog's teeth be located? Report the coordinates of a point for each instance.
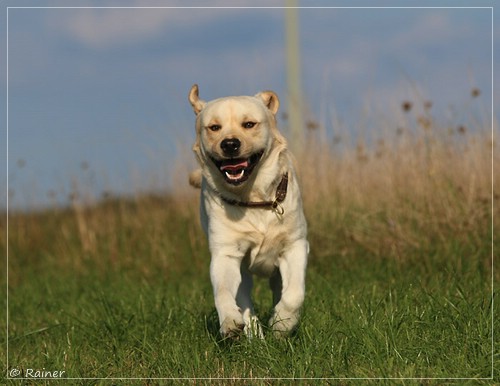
(235, 176)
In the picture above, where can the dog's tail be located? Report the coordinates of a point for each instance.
(195, 178)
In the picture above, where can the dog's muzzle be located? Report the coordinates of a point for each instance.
(237, 170)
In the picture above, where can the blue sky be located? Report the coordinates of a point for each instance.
(97, 98)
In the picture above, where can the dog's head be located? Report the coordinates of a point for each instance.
(235, 134)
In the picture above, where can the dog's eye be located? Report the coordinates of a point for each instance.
(248, 125)
(214, 127)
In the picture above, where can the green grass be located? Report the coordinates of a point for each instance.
(392, 322)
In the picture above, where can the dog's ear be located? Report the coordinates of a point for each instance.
(270, 99)
(195, 100)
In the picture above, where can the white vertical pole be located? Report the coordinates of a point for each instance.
(293, 76)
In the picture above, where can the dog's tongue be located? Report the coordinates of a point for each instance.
(233, 165)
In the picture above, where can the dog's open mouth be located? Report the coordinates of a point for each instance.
(237, 170)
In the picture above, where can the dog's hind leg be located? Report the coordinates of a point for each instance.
(195, 178)
(276, 285)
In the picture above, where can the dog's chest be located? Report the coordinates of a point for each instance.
(264, 245)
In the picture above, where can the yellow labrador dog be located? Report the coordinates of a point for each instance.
(251, 210)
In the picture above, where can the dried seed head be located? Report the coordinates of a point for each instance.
(406, 106)
(312, 125)
(462, 129)
(475, 92)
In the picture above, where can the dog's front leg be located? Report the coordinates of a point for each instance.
(292, 268)
(226, 278)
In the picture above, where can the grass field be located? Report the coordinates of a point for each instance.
(399, 280)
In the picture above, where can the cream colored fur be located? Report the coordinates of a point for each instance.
(245, 241)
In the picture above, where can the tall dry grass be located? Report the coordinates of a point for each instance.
(414, 187)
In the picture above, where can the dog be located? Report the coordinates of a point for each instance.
(250, 209)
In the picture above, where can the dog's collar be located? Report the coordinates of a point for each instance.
(273, 205)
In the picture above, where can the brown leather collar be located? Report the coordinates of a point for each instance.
(274, 205)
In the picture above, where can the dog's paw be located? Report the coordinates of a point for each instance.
(231, 328)
(283, 324)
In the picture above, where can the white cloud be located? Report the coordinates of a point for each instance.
(102, 28)
(105, 27)
(431, 27)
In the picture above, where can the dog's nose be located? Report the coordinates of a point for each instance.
(230, 146)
